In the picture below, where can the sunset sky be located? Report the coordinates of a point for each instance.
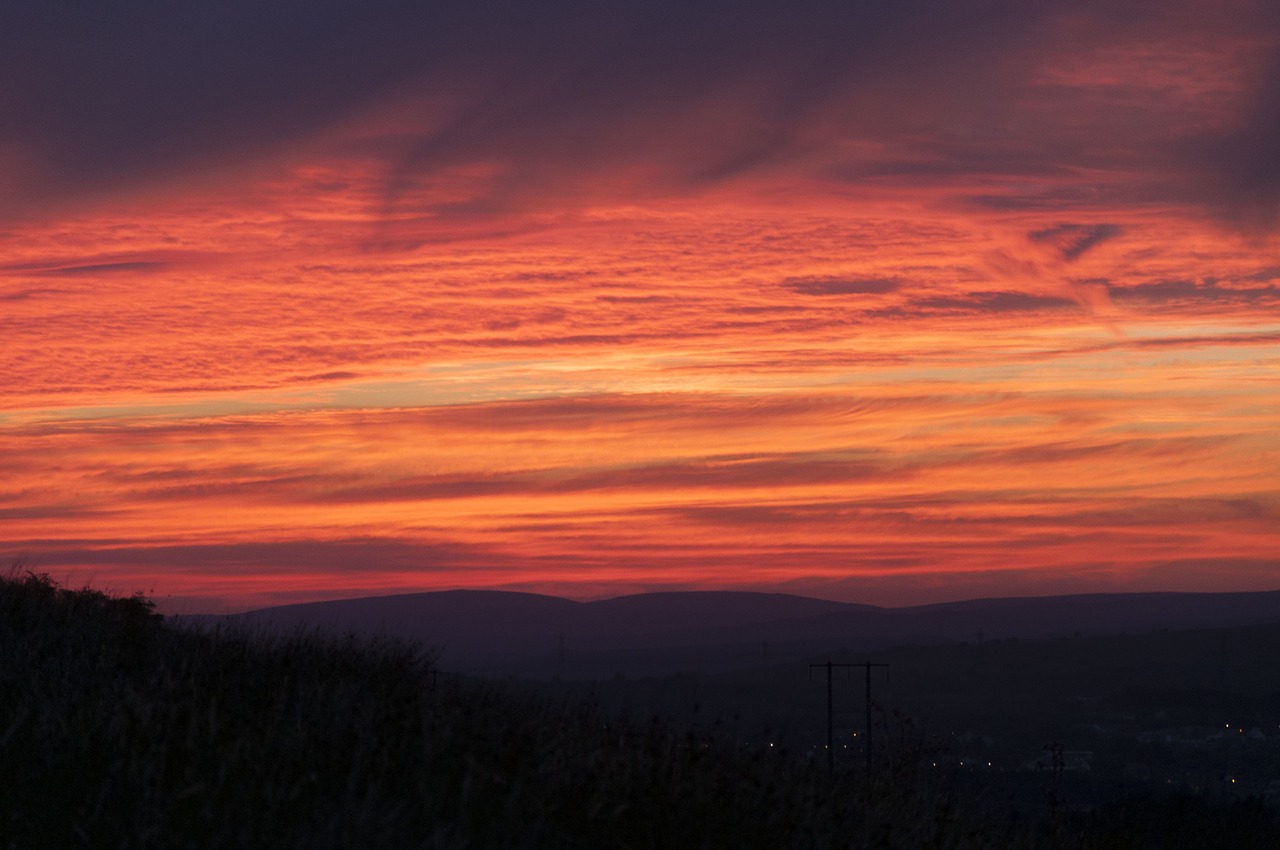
(887, 302)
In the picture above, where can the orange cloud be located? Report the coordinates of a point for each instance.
(769, 313)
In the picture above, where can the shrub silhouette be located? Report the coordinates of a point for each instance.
(118, 729)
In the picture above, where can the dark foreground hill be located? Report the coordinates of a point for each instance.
(500, 633)
(119, 730)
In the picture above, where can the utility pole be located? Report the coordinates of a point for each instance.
(868, 665)
(831, 752)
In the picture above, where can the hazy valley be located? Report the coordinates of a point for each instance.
(1136, 691)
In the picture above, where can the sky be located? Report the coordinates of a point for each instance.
(886, 302)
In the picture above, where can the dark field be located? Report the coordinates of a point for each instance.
(119, 730)
(1195, 711)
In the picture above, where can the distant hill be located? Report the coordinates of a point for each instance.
(505, 633)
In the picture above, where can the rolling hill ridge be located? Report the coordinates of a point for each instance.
(508, 633)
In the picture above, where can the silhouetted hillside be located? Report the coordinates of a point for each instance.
(502, 633)
(121, 731)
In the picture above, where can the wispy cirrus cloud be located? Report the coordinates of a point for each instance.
(601, 297)
(845, 286)
(673, 97)
(1191, 291)
(1074, 240)
(995, 302)
(655, 486)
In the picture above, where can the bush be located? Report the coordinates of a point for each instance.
(120, 730)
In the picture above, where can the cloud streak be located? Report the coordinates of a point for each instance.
(615, 296)
(670, 96)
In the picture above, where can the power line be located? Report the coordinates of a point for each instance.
(830, 665)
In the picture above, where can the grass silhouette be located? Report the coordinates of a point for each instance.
(120, 730)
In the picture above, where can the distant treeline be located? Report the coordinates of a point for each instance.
(119, 730)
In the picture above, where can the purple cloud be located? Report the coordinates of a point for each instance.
(842, 286)
(1074, 240)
